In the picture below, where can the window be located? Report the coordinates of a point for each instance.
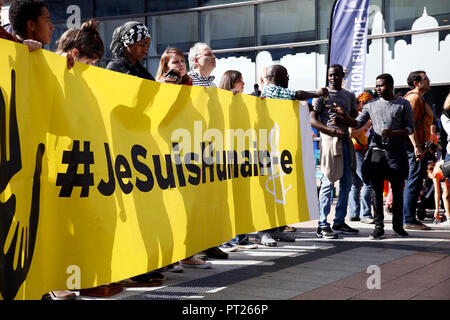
(228, 28)
(175, 30)
(401, 14)
(164, 5)
(118, 7)
(286, 21)
(58, 8)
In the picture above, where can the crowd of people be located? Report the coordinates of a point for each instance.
(364, 141)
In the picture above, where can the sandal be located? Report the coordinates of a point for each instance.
(194, 262)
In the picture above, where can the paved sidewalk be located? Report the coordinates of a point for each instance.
(417, 267)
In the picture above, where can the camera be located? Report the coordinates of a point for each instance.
(171, 74)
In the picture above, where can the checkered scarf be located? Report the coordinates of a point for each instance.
(127, 35)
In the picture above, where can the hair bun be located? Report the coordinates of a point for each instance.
(89, 26)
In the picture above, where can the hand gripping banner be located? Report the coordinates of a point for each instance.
(105, 176)
(348, 41)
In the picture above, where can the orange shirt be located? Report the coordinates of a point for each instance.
(422, 115)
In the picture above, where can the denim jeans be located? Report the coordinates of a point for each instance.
(359, 202)
(413, 185)
(327, 186)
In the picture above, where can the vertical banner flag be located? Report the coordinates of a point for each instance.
(348, 41)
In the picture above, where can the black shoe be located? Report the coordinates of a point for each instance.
(401, 233)
(345, 229)
(149, 277)
(377, 234)
(216, 253)
(325, 233)
(355, 219)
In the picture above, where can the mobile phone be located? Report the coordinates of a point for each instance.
(171, 74)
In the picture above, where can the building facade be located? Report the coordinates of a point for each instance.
(404, 35)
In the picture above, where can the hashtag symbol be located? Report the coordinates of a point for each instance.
(71, 178)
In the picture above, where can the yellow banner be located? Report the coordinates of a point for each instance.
(105, 176)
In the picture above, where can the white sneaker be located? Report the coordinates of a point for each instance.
(445, 224)
(228, 247)
(267, 240)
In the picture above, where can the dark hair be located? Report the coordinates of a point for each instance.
(86, 39)
(337, 66)
(388, 78)
(21, 11)
(229, 78)
(414, 76)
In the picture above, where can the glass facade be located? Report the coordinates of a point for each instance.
(294, 33)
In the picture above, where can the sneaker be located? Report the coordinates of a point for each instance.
(216, 253)
(175, 267)
(194, 262)
(367, 220)
(267, 240)
(326, 233)
(355, 219)
(377, 234)
(445, 224)
(245, 244)
(345, 229)
(228, 247)
(416, 225)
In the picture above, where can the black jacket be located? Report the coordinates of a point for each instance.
(123, 65)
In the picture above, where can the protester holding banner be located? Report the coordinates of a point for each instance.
(32, 20)
(83, 45)
(232, 81)
(172, 69)
(276, 87)
(202, 62)
(129, 46)
(360, 200)
(332, 118)
(387, 159)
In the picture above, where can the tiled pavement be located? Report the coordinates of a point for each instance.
(417, 267)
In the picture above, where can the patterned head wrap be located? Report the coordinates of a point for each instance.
(127, 35)
(364, 97)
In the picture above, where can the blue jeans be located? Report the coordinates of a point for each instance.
(413, 185)
(359, 202)
(327, 186)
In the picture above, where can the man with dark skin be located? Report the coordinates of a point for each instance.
(332, 117)
(392, 122)
(276, 87)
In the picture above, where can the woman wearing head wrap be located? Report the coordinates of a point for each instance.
(129, 46)
(359, 202)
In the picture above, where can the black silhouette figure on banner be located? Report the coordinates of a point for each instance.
(11, 278)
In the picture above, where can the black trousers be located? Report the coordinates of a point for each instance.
(380, 171)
